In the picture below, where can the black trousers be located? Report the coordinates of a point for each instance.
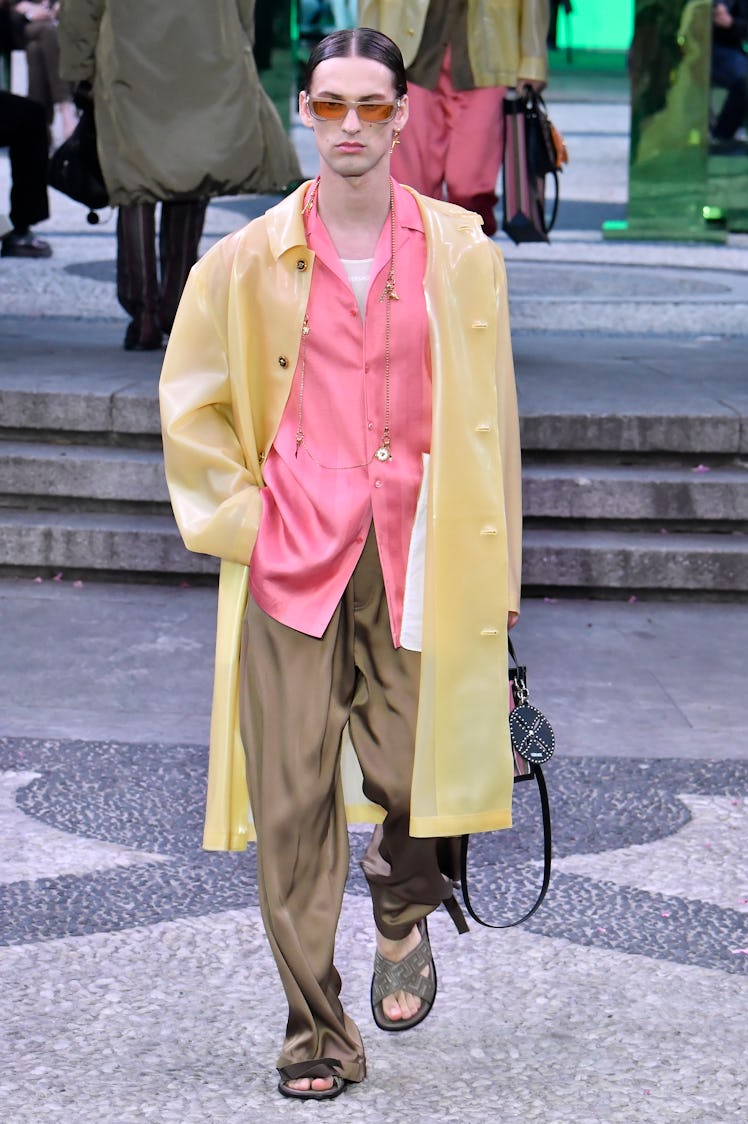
(23, 130)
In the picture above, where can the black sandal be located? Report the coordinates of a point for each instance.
(404, 975)
(322, 1067)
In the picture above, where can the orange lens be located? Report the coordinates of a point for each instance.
(376, 112)
(372, 113)
(328, 110)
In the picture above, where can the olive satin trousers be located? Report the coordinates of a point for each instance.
(297, 694)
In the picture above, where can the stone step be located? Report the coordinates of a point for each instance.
(654, 432)
(637, 492)
(671, 425)
(620, 560)
(96, 541)
(93, 472)
(90, 542)
(58, 405)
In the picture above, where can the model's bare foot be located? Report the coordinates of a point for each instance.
(303, 1084)
(401, 1005)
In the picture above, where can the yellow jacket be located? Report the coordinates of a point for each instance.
(226, 378)
(506, 38)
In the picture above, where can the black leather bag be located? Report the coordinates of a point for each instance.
(74, 167)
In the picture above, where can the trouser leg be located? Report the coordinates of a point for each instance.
(180, 230)
(419, 158)
(453, 139)
(137, 276)
(23, 130)
(476, 137)
(403, 872)
(730, 71)
(294, 702)
(43, 60)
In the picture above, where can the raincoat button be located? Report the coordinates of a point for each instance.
(301, 265)
(282, 361)
(377, 483)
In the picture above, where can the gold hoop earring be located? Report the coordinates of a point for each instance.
(395, 140)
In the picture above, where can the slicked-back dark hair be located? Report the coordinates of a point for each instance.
(363, 43)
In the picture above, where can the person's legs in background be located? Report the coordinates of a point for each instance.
(23, 130)
(453, 138)
(418, 160)
(137, 275)
(476, 139)
(45, 84)
(180, 230)
(730, 72)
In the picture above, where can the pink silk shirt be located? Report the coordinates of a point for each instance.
(318, 505)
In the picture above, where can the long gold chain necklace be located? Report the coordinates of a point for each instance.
(389, 293)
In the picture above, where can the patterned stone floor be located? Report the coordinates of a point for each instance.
(137, 984)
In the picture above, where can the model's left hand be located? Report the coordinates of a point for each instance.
(511, 620)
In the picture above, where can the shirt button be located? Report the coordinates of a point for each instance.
(377, 483)
(370, 425)
(301, 264)
(282, 361)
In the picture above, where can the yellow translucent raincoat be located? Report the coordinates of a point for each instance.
(226, 378)
(506, 38)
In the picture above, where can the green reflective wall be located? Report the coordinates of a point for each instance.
(670, 91)
(597, 25)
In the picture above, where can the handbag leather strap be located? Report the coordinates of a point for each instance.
(537, 772)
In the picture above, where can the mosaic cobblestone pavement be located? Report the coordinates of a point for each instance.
(138, 986)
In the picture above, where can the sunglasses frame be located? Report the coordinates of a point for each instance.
(355, 106)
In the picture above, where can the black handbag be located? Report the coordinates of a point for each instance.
(533, 744)
(533, 150)
(74, 167)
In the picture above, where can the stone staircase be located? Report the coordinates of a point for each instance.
(614, 505)
(82, 487)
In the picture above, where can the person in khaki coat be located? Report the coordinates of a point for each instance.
(180, 116)
(460, 56)
(339, 384)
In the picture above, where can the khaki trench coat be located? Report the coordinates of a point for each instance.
(226, 378)
(506, 38)
(180, 111)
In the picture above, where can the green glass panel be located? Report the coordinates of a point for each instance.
(596, 25)
(727, 191)
(670, 87)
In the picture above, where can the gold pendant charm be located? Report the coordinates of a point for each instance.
(383, 453)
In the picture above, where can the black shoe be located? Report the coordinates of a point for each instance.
(139, 337)
(24, 244)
